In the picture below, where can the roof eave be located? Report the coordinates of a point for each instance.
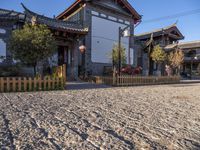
(68, 9)
(136, 16)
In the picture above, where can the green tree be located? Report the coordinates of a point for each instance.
(31, 44)
(158, 55)
(115, 54)
(176, 58)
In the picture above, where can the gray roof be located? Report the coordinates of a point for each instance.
(184, 45)
(11, 15)
(40, 19)
(54, 23)
(159, 32)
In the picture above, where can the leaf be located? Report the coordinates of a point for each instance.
(32, 44)
(158, 54)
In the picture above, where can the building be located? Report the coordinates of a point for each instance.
(191, 51)
(93, 23)
(103, 18)
(145, 42)
(66, 33)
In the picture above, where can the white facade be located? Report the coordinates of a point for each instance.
(2, 31)
(2, 49)
(2, 45)
(105, 34)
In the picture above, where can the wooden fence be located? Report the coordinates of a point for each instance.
(23, 84)
(126, 80)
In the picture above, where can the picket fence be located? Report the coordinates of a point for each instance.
(23, 84)
(126, 80)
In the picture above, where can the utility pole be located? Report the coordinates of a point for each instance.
(119, 51)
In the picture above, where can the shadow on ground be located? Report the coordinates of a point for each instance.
(79, 85)
(84, 85)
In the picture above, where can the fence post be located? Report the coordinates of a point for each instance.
(30, 83)
(53, 83)
(19, 84)
(7, 84)
(39, 84)
(57, 83)
(2, 84)
(25, 84)
(14, 84)
(44, 83)
(49, 83)
(35, 84)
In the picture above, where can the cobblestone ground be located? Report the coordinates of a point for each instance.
(152, 117)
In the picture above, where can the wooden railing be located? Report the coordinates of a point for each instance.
(132, 80)
(126, 80)
(23, 84)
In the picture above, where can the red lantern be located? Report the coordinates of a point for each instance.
(82, 49)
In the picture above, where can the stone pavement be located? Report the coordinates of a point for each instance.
(190, 81)
(129, 118)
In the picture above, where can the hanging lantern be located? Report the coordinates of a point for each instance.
(126, 33)
(82, 49)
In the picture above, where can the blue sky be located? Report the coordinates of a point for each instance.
(150, 9)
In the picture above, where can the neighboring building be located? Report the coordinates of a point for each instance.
(192, 56)
(66, 34)
(93, 23)
(9, 20)
(103, 18)
(145, 42)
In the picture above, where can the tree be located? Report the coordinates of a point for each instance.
(32, 44)
(176, 58)
(158, 55)
(115, 54)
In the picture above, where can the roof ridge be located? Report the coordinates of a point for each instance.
(187, 42)
(132, 10)
(10, 11)
(48, 18)
(157, 30)
(54, 23)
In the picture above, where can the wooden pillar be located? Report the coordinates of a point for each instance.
(74, 67)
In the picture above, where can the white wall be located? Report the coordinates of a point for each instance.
(104, 35)
(2, 48)
(2, 31)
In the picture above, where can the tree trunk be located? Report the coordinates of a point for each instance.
(158, 69)
(34, 67)
(179, 70)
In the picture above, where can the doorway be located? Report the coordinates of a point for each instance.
(65, 57)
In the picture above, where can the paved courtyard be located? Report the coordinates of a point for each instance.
(146, 117)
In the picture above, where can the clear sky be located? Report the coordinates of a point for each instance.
(150, 9)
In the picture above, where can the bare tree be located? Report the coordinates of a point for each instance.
(176, 58)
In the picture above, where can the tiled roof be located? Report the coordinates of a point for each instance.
(184, 45)
(54, 23)
(50, 22)
(125, 3)
(158, 32)
(7, 14)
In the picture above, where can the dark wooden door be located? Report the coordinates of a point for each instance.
(64, 57)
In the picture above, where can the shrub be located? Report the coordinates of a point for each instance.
(9, 71)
